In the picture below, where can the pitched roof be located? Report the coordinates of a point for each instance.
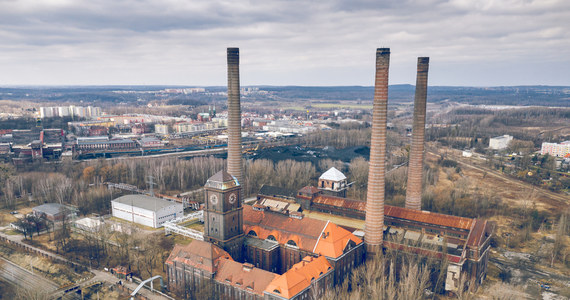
(480, 231)
(428, 217)
(312, 235)
(340, 202)
(309, 190)
(51, 208)
(304, 232)
(243, 276)
(199, 254)
(334, 240)
(299, 277)
(333, 174)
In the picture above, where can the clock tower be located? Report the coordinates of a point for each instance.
(223, 215)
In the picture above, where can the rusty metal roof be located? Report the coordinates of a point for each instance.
(477, 235)
(340, 202)
(428, 217)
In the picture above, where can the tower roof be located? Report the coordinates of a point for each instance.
(222, 180)
(333, 174)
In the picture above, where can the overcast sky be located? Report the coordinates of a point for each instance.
(328, 42)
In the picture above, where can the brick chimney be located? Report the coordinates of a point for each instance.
(415, 166)
(234, 116)
(374, 224)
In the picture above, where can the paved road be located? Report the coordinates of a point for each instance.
(18, 276)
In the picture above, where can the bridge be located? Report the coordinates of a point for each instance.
(151, 285)
(173, 227)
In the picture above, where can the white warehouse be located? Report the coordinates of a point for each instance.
(146, 210)
(500, 142)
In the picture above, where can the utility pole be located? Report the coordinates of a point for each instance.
(150, 181)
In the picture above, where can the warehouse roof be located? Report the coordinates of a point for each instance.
(145, 202)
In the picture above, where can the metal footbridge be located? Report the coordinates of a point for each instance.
(173, 227)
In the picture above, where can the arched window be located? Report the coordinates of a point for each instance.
(252, 233)
(272, 238)
(277, 291)
(291, 243)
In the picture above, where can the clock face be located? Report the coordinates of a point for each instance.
(233, 198)
(214, 199)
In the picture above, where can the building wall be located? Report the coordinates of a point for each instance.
(187, 279)
(267, 260)
(500, 142)
(554, 149)
(146, 217)
(290, 256)
(343, 265)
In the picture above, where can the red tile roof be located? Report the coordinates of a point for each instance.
(299, 277)
(308, 234)
(243, 276)
(199, 254)
(304, 232)
(333, 241)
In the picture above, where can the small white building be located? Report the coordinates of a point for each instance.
(333, 182)
(500, 142)
(146, 210)
(467, 153)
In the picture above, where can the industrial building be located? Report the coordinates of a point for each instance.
(146, 210)
(262, 253)
(270, 250)
(54, 211)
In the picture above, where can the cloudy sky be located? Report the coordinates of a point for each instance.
(288, 42)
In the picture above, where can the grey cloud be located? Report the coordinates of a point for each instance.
(283, 42)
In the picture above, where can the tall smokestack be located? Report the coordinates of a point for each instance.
(234, 115)
(415, 167)
(374, 224)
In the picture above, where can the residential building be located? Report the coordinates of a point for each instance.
(554, 149)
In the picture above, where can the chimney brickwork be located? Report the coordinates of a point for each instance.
(415, 167)
(234, 116)
(374, 223)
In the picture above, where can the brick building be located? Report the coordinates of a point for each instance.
(256, 252)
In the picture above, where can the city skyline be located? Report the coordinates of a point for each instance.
(282, 43)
